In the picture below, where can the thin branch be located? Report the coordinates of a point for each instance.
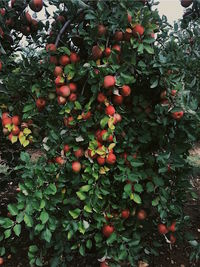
(67, 23)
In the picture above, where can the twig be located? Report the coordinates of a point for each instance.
(65, 26)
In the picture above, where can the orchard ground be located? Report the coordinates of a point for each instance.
(178, 256)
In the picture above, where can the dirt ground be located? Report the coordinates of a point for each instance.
(178, 256)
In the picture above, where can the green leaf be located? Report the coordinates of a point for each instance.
(104, 121)
(44, 217)
(78, 105)
(28, 220)
(137, 198)
(47, 235)
(7, 233)
(136, 164)
(149, 187)
(149, 49)
(87, 208)
(13, 209)
(128, 189)
(38, 262)
(85, 188)
(28, 107)
(158, 181)
(2, 251)
(6, 223)
(24, 157)
(81, 195)
(17, 229)
(89, 244)
(75, 213)
(138, 188)
(82, 250)
(51, 190)
(33, 249)
(155, 202)
(111, 239)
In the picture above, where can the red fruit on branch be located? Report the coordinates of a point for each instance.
(117, 48)
(1, 261)
(59, 81)
(177, 115)
(64, 60)
(53, 60)
(172, 239)
(58, 71)
(74, 57)
(111, 159)
(60, 160)
(6, 121)
(108, 230)
(101, 161)
(76, 166)
(101, 30)
(64, 91)
(73, 87)
(173, 92)
(126, 90)
(101, 98)
(15, 130)
(61, 100)
(1, 66)
(36, 5)
(138, 30)
(118, 99)
(110, 110)
(162, 229)
(117, 118)
(79, 153)
(5, 115)
(141, 215)
(118, 36)
(28, 17)
(87, 115)
(40, 103)
(107, 51)
(66, 148)
(129, 18)
(50, 47)
(186, 3)
(104, 264)
(125, 214)
(109, 81)
(172, 227)
(2, 11)
(72, 97)
(68, 122)
(96, 52)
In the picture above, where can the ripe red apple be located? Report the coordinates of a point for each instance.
(104, 264)
(61, 19)
(162, 229)
(6, 121)
(15, 130)
(172, 227)
(2, 11)
(36, 5)
(110, 110)
(76, 166)
(186, 3)
(1, 66)
(61, 100)
(10, 137)
(72, 97)
(68, 121)
(117, 118)
(60, 160)
(111, 159)
(53, 60)
(5, 131)
(50, 47)
(101, 98)
(89, 152)
(28, 17)
(74, 57)
(73, 87)
(163, 94)
(58, 71)
(59, 81)
(64, 60)
(40, 103)
(117, 48)
(109, 81)
(101, 161)
(108, 230)
(101, 29)
(126, 90)
(118, 99)
(87, 115)
(34, 25)
(129, 18)
(173, 92)
(66, 148)
(128, 34)
(79, 153)
(172, 239)
(2, 261)
(125, 214)
(118, 36)
(138, 30)
(141, 215)
(177, 115)
(107, 51)
(16, 120)
(5, 115)
(96, 52)
(64, 91)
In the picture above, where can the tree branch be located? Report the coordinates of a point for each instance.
(65, 26)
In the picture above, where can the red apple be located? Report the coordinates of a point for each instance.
(186, 3)
(172, 227)
(118, 99)
(64, 91)
(117, 118)
(64, 60)
(73, 87)
(129, 18)
(107, 51)
(108, 230)
(162, 229)
(111, 159)
(60, 160)
(125, 214)
(53, 60)
(177, 115)
(79, 153)
(87, 115)
(5, 115)
(36, 5)
(58, 71)
(117, 48)
(101, 160)
(101, 98)
(2, 11)
(118, 36)
(172, 239)
(96, 52)
(40, 103)
(74, 57)
(109, 81)
(110, 110)
(104, 264)
(51, 47)
(141, 215)
(59, 81)
(72, 97)
(68, 122)
(16, 120)
(1, 66)
(66, 148)
(101, 29)
(28, 17)
(138, 30)
(76, 166)
(2, 261)
(15, 130)
(173, 92)
(61, 100)
(6, 121)
(126, 90)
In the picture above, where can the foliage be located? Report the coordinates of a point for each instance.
(144, 148)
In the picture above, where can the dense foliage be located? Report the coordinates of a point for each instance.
(103, 93)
